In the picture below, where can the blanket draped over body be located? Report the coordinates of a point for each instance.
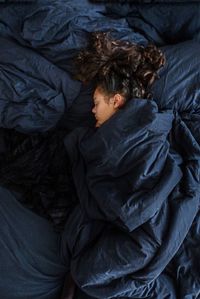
(137, 183)
(124, 197)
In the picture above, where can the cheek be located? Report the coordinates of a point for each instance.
(102, 110)
(98, 110)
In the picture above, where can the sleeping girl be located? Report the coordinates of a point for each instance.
(121, 71)
(132, 190)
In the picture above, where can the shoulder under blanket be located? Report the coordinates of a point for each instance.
(137, 180)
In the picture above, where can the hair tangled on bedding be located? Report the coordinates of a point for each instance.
(119, 66)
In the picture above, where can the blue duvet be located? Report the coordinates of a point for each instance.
(127, 193)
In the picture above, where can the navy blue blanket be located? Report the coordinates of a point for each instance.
(34, 261)
(137, 181)
(125, 196)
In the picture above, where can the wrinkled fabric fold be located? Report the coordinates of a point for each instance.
(143, 200)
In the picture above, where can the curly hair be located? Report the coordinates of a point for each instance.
(119, 66)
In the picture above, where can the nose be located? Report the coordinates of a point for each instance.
(94, 110)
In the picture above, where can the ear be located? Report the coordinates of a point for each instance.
(118, 100)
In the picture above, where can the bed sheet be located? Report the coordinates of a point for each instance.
(130, 222)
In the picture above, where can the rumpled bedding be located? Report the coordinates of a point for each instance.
(31, 265)
(138, 175)
(123, 198)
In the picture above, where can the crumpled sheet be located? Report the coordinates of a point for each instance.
(132, 218)
(137, 181)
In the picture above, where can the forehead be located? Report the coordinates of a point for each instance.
(98, 94)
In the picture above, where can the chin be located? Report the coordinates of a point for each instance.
(97, 125)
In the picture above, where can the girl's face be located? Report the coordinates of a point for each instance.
(104, 106)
